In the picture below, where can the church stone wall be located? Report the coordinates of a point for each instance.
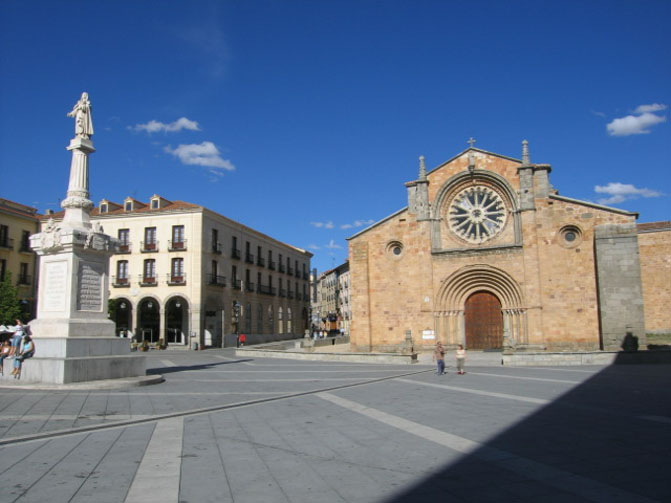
(619, 284)
(655, 256)
(567, 272)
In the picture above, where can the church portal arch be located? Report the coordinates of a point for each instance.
(495, 294)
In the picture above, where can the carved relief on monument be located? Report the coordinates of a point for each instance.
(55, 285)
(89, 292)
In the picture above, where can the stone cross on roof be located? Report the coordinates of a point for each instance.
(471, 141)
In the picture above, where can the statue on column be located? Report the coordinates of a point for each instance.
(82, 114)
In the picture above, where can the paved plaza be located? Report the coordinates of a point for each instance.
(228, 429)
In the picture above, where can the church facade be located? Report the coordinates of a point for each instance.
(489, 255)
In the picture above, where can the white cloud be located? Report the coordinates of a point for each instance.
(333, 245)
(204, 154)
(322, 225)
(314, 247)
(653, 107)
(639, 123)
(357, 223)
(155, 126)
(620, 192)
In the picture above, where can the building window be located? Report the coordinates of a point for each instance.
(177, 270)
(103, 208)
(128, 206)
(154, 204)
(24, 279)
(289, 320)
(280, 321)
(149, 239)
(3, 269)
(235, 252)
(271, 320)
(216, 246)
(124, 240)
(149, 272)
(4, 236)
(234, 277)
(178, 242)
(25, 241)
(121, 272)
(271, 264)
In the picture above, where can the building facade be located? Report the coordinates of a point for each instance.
(333, 306)
(489, 255)
(17, 223)
(186, 274)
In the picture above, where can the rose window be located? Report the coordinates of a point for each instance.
(477, 214)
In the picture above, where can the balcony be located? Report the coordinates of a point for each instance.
(25, 247)
(249, 258)
(260, 261)
(266, 290)
(216, 280)
(120, 282)
(147, 280)
(283, 292)
(236, 284)
(176, 280)
(298, 274)
(7, 242)
(176, 245)
(290, 271)
(124, 247)
(306, 276)
(148, 247)
(216, 247)
(281, 268)
(235, 253)
(290, 294)
(24, 279)
(249, 286)
(271, 265)
(306, 297)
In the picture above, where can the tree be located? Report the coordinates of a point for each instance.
(10, 308)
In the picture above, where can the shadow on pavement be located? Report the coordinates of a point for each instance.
(200, 366)
(609, 439)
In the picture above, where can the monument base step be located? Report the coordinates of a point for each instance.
(56, 370)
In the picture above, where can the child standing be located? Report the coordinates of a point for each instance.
(461, 359)
(439, 357)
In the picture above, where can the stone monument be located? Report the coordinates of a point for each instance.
(74, 339)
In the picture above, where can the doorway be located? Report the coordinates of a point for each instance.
(484, 321)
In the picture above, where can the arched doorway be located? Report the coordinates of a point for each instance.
(484, 321)
(176, 325)
(148, 321)
(122, 316)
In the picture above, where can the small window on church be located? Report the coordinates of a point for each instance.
(395, 248)
(570, 236)
(103, 208)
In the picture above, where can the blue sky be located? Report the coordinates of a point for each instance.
(303, 119)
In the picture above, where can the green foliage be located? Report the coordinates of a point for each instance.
(10, 309)
(111, 308)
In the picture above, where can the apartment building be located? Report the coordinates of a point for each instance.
(17, 223)
(186, 274)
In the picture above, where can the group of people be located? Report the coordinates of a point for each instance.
(439, 357)
(19, 347)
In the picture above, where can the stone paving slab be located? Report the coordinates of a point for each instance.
(495, 434)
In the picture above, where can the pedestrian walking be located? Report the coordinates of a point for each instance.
(439, 357)
(461, 359)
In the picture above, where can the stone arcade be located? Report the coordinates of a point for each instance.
(488, 254)
(74, 339)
